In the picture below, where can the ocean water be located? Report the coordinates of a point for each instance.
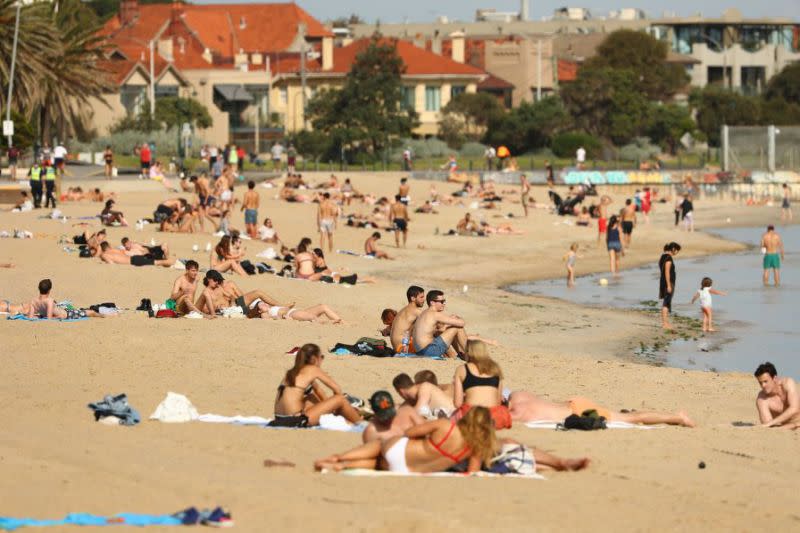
(754, 323)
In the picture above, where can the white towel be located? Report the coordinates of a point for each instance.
(358, 472)
(329, 422)
(175, 408)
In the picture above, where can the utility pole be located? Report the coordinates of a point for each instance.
(152, 84)
(538, 70)
(11, 76)
(301, 30)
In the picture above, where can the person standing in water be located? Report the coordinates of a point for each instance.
(772, 248)
(704, 294)
(667, 281)
(786, 205)
(570, 259)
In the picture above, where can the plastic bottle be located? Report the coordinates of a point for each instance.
(405, 343)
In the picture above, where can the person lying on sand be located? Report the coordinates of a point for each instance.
(301, 399)
(184, 289)
(311, 266)
(500, 229)
(437, 446)
(6, 307)
(527, 407)
(132, 248)
(286, 312)
(44, 306)
(778, 402)
(119, 257)
(428, 400)
(400, 334)
(389, 421)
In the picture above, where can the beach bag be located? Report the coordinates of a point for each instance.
(514, 459)
(248, 267)
(373, 347)
(589, 420)
(166, 313)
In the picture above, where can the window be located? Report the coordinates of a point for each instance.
(433, 98)
(132, 97)
(284, 95)
(260, 99)
(163, 91)
(408, 98)
(753, 80)
(455, 90)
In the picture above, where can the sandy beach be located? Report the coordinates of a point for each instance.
(55, 459)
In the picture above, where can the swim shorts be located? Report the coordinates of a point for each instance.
(578, 405)
(401, 224)
(251, 216)
(289, 421)
(627, 227)
(785, 204)
(142, 260)
(75, 314)
(437, 348)
(156, 252)
(772, 261)
(602, 225)
(326, 225)
(614, 245)
(668, 301)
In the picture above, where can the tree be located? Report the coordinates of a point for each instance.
(529, 126)
(173, 111)
(366, 113)
(717, 106)
(668, 124)
(467, 116)
(645, 57)
(785, 84)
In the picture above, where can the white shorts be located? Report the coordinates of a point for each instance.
(396, 456)
(326, 225)
(226, 195)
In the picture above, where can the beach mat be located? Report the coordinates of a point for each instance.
(552, 424)
(85, 519)
(364, 472)
(344, 351)
(25, 318)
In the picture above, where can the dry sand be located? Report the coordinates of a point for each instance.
(55, 459)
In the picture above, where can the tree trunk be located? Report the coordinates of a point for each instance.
(44, 125)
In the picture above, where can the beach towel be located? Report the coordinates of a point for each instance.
(27, 319)
(363, 472)
(341, 349)
(85, 519)
(551, 424)
(355, 254)
(327, 422)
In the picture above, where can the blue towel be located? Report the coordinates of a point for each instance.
(85, 519)
(344, 351)
(27, 319)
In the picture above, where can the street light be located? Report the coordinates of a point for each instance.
(11, 75)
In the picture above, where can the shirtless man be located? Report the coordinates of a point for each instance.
(466, 226)
(134, 248)
(398, 213)
(772, 246)
(204, 195)
(389, 421)
(428, 400)
(44, 306)
(250, 205)
(184, 289)
(527, 407)
(628, 217)
(602, 221)
(427, 376)
(778, 402)
(119, 257)
(403, 191)
(786, 204)
(404, 321)
(327, 220)
(220, 294)
(371, 247)
(525, 189)
(428, 338)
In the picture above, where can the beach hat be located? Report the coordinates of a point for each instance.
(382, 405)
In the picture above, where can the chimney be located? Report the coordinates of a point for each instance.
(242, 23)
(436, 43)
(457, 40)
(128, 11)
(177, 11)
(166, 49)
(327, 53)
(524, 11)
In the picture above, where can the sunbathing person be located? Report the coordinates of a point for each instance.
(44, 306)
(467, 226)
(427, 376)
(438, 446)
(301, 400)
(93, 241)
(184, 289)
(118, 257)
(286, 312)
(307, 266)
(6, 307)
(371, 247)
(479, 382)
(400, 334)
(500, 229)
(527, 407)
(225, 258)
(389, 421)
(220, 295)
(267, 233)
(132, 248)
(428, 400)
(109, 217)
(434, 330)
(778, 402)
(426, 208)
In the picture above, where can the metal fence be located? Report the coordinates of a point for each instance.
(766, 148)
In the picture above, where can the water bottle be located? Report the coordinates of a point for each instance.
(405, 343)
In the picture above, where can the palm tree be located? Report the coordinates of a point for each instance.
(78, 79)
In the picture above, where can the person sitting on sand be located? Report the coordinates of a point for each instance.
(428, 400)
(220, 294)
(467, 226)
(119, 257)
(438, 446)
(225, 259)
(109, 217)
(387, 319)
(44, 306)
(184, 289)
(267, 233)
(778, 402)
(527, 407)
(24, 205)
(479, 382)
(400, 334)
(301, 400)
(389, 421)
(427, 376)
(305, 267)
(371, 247)
(132, 248)
(434, 330)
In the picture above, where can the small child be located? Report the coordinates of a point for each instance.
(225, 223)
(704, 294)
(570, 258)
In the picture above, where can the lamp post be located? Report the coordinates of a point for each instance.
(13, 65)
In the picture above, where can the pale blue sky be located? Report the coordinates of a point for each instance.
(464, 10)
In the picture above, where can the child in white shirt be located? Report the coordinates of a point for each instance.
(704, 295)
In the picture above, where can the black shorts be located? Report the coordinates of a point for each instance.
(58, 162)
(204, 201)
(667, 301)
(627, 227)
(142, 260)
(145, 165)
(156, 252)
(401, 224)
(289, 421)
(162, 213)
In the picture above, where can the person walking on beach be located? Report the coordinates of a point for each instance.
(704, 294)
(327, 215)
(667, 281)
(786, 206)
(403, 191)
(778, 402)
(250, 205)
(602, 221)
(570, 258)
(772, 248)
(687, 213)
(398, 214)
(628, 215)
(613, 244)
(525, 189)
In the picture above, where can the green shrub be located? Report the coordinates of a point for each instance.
(566, 144)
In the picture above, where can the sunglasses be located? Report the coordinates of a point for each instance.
(441, 301)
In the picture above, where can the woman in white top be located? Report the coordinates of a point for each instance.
(704, 295)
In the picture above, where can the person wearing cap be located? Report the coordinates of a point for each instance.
(389, 421)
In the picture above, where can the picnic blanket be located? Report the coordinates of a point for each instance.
(553, 424)
(85, 519)
(363, 472)
(28, 319)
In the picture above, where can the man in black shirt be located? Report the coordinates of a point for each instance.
(667, 282)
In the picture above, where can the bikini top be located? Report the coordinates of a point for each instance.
(471, 380)
(438, 447)
(308, 390)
